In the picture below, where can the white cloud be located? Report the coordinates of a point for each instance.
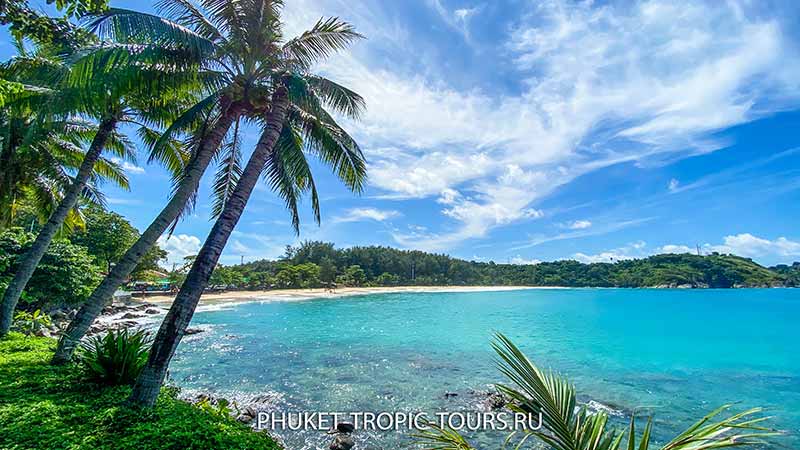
(671, 248)
(458, 19)
(123, 201)
(607, 257)
(578, 225)
(673, 184)
(128, 166)
(519, 260)
(179, 246)
(362, 214)
(746, 244)
(630, 251)
(601, 85)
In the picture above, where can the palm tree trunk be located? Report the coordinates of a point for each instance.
(119, 273)
(30, 259)
(148, 385)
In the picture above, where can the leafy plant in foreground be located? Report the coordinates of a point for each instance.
(116, 358)
(30, 322)
(566, 427)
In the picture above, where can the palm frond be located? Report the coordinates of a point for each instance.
(127, 26)
(173, 155)
(186, 13)
(331, 144)
(229, 172)
(337, 97)
(185, 122)
(281, 171)
(438, 438)
(326, 37)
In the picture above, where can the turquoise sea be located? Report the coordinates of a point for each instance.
(674, 353)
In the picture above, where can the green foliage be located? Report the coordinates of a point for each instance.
(384, 266)
(304, 275)
(220, 408)
(566, 427)
(789, 273)
(115, 358)
(52, 407)
(30, 322)
(226, 276)
(353, 276)
(65, 276)
(107, 235)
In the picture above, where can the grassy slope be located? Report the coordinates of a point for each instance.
(51, 407)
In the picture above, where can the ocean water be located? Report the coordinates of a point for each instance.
(676, 354)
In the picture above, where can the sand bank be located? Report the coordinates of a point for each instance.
(308, 294)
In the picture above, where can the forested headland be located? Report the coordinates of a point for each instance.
(315, 264)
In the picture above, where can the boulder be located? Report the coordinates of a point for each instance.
(152, 311)
(131, 316)
(495, 400)
(345, 427)
(342, 442)
(191, 331)
(450, 394)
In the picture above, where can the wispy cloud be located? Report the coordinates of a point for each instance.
(577, 225)
(128, 166)
(581, 233)
(362, 214)
(600, 84)
(630, 251)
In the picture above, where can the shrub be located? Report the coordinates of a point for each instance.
(30, 323)
(66, 274)
(117, 358)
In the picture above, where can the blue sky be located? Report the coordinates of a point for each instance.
(523, 131)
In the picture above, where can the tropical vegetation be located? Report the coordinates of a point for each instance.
(55, 407)
(318, 264)
(245, 44)
(63, 84)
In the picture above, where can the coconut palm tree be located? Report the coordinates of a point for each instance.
(239, 52)
(567, 427)
(138, 94)
(294, 122)
(37, 160)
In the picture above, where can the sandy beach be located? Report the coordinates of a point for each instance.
(307, 294)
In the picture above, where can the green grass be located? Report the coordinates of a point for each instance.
(45, 407)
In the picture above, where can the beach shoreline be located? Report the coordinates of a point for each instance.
(320, 293)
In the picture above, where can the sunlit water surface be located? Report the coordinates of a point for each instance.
(675, 353)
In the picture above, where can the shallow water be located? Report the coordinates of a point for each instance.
(675, 353)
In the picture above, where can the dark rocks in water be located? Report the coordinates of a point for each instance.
(131, 316)
(151, 311)
(345, 427)
(492, 400)
(190, 331)
(342, 442)
(265, 399)
(449, 394)
(495, 400)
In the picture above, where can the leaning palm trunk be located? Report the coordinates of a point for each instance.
(148, 385)
(31, 258)
(119, 273)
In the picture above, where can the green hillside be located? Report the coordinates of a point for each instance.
(317, 263)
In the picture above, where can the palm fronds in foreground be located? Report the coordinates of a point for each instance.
(567, 427)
